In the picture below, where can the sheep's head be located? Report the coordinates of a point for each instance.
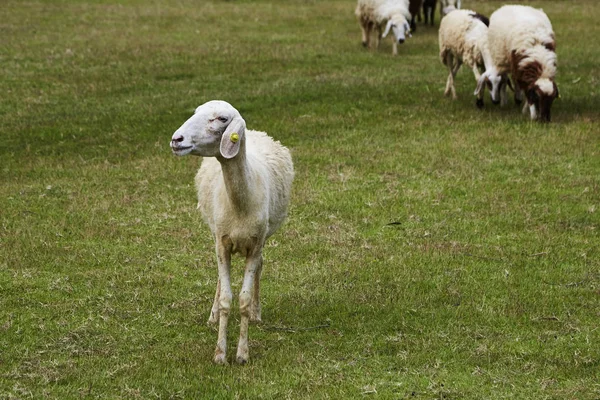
(400, 27)
(215, 129)
(494, 82)
(540, 98)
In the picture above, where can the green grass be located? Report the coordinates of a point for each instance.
(487, 285)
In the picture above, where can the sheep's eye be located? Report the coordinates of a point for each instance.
(222, 119)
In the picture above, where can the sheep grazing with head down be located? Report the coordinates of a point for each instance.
(386, 16)
(522, 42)
(244, 187)
(463, 38)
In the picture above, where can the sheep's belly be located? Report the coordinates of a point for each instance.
(242, 245)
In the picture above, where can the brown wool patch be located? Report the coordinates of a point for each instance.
(526, 75)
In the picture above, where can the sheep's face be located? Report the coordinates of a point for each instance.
(540, 98)
(400, 29)
(202, 133)
(494, 83)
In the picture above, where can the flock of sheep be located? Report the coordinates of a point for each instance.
(516, 39)
(245, 180)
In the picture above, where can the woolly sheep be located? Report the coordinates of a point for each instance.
(375, 14)
(463, 39)
(522, 42)
(244, 187)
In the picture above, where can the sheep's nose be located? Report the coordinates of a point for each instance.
(400, 41)
(177, 139)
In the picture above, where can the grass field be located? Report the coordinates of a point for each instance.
(432, 250)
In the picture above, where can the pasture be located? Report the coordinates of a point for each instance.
(432, 250)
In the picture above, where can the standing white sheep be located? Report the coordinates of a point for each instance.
(522, 42)
(244, 187)
(374, 15)
(463, 38)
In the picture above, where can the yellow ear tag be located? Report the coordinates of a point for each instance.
(234, 137)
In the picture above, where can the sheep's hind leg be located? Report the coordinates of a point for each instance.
(214, 312)
(365, 35)
(225, 296)
(452, 70)
(253, 262)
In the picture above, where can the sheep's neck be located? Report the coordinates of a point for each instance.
(487, 58)
(236, 177)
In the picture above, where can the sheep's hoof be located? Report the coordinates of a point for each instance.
(365, 44)
(242, 360)
(479, 103)
(518, 102)
(220, 358)
(213, 319)
(255, 319)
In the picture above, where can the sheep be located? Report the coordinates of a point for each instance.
(522, 42)
(429, 11)
(414, 8)
(463, 39)
(446, 6)
(243, 187)
(375, 14)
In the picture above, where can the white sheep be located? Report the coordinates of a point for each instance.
(374, 15)
(463, 38)
(447, 6)
(522, 42)
(244, 189)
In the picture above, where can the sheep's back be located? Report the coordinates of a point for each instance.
(517, 28)
(454, 36)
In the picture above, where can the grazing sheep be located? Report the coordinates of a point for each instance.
(375, 14)
(463, 38)
(429, 11)
(244, 187)
(446, 6)
(522, 42)
(414, 8)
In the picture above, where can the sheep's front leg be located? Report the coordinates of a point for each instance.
(518, 96)
(394, 46)
(225, 296)
(214, 312)
(479, 101)
(253, 265)
(365, 34)
(503, 94)
(255, 308)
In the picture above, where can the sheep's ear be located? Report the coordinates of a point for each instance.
(232, 137)
(480, 83)
(407, 29)
(387, 28)
(508, 82)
